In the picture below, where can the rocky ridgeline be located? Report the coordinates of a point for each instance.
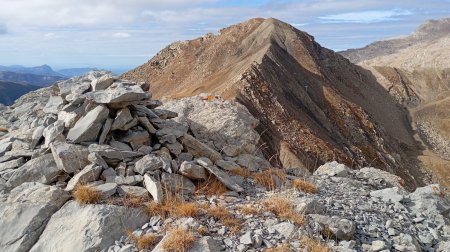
(110, 135)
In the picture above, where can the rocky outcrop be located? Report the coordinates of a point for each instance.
(87, 228)
(25, 214)
(415, 70)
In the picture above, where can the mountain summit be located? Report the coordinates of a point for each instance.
(314, 105)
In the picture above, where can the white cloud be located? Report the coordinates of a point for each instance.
(366, 16)
(121, 35)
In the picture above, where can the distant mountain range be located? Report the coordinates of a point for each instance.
(10, 91)
(46, 70)
(18, 80)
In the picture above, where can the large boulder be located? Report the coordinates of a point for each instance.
(88, 128)
(220, 122)
(25, 214)
(88, 228)
(118, 92)
(42, 169)
(69, 157)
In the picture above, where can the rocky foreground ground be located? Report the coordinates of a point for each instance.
(94, 164)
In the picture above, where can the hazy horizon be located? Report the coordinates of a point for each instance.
(120, 36)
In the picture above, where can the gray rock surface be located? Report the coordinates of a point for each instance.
(88, 127)
(87, 228)
(25, 214)
(42, 169)
(69, 157)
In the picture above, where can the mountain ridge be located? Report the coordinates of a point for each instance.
(297, 88)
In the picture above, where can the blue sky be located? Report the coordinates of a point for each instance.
(122, 34)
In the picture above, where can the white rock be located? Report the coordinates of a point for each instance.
(107, 189)
(286, 229)
(102, 83)
(247, 238)
(87, 174)
(136, 191)
(393, 194)
(69, 157)
(25, 214)
(154, 188)
(76, 228)
(42, 169)
(333, 169)
(118, 92)
(308, 206)
(88, 127)
(192, 170)
(378, 245)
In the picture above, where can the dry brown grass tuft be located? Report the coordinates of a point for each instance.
(185, 209)
(3, 129)
(178, 240)
(129, 200)
(225, 217)
(304, 186)
(312, 245)
(239, 171)
(269, 178)
(211, 186)
(202, 230)
(280, 248)
(142, 242)
(173, 207)
(247, 210)
(84, 194)
(283, 209)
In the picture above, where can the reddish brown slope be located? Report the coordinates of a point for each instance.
(321, 105)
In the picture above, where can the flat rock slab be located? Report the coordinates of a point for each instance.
(118, 92)
(70, 157)
(224, 178)
(88, 228)
(88, 127)
(89, 173)
(42, 169)
(11, 164)
(109, 152)
(25, 214)
(199, 149)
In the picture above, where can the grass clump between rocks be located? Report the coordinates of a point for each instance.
(282, 208)
(84, 194)
(280, 248)
(142, 242)
(173, 207)
(270, 178)
(313, 245)
(178, 240)
(211, 186)
(304, 186)
(225, 217)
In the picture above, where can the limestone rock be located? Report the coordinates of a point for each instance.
(42, 169)
(177, 184)
(192, 171)
(88, 127)
(150, 163)
(154, 188)
(25, 214)
(102, 83)
(118, 92)
(342, 229)
(286, 229)
(69, 157)
(87, 174)
(122, 118)
(88, 227)
(199, 149)
(393, 194)
(135, 191)
(54, 104)
(308, 206)
(224, 178)
(107, 189)
(333, 169)
(107, 151)
(12, 164)
(252, 163)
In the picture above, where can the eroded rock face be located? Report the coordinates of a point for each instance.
(87, 228)
(25, 214)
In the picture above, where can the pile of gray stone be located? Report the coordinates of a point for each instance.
(110, 135)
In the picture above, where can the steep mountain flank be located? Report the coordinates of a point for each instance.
(416, 71)
(313, 104)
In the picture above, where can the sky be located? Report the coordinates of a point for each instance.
(122, 34)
